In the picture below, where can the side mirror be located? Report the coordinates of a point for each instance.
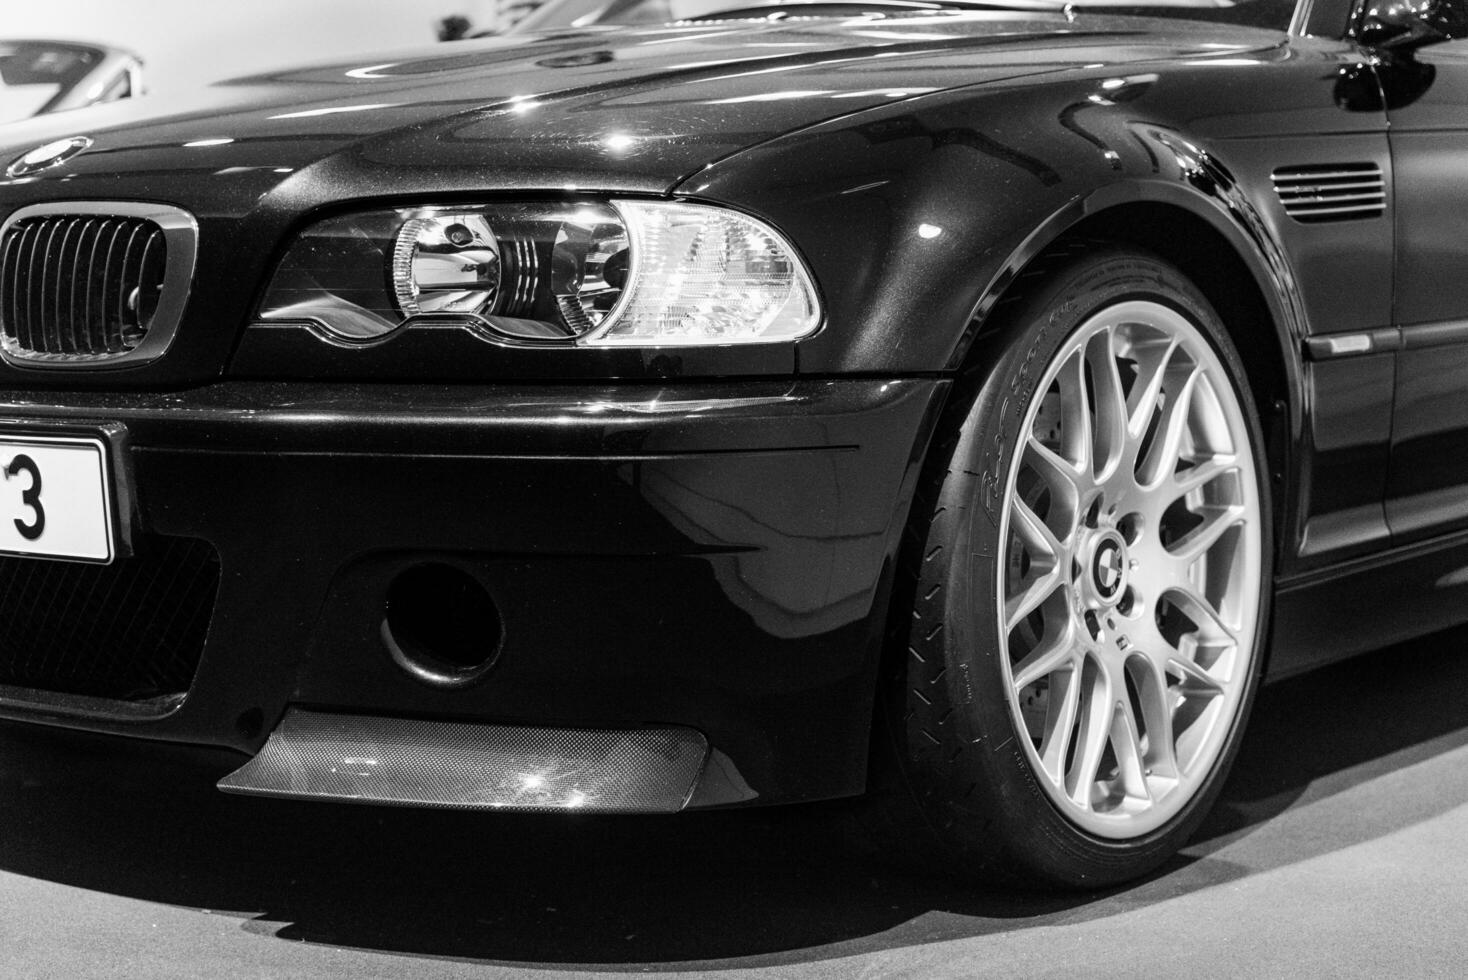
(454, 28)
(1405, 25)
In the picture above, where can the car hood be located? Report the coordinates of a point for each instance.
(614, 110)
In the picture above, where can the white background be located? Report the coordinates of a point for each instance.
(186, 43)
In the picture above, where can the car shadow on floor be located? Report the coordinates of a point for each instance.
(752, 888)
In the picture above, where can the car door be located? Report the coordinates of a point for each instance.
(1329, 192)
(1427, 107)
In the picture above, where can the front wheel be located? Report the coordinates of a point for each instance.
(1088, 605)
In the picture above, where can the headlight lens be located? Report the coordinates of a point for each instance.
(629, 273)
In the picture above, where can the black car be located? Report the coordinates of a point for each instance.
(959, 403)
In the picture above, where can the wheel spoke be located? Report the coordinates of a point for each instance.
(1155, 699)
(1216, 522)
(1075, 415)
(1045, 660)
(1060, 725)
(1059, 473)
(1126, 745)
(1166, 447)
(1148, 392)
(1035, 534)
(1202, 612)
(1197, 682)
(1016, 608)
(1047, 555)
(1201, 474)
(1095, 728)
(1110, 399)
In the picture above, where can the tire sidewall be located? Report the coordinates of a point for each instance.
(1033, 835)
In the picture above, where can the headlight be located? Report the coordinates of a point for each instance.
(628, 273)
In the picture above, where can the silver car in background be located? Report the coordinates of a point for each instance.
(38, 76)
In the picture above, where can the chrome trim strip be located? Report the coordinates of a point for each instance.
(1440, 333)
(181, 235)
(1331, 346)
(1371, 174)
(1356, 343)
(1342, 192)
(1416, 336)
(1295, 211)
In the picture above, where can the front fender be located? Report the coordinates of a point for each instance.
(916, 218)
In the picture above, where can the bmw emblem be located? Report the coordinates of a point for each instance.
(50, 155)
(1108, 569)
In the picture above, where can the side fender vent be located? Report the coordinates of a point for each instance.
(1331, 192)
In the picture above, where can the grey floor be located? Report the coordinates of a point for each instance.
(1340, 849)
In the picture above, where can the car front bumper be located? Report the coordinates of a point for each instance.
(706, 558)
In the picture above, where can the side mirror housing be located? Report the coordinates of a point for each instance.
(1405, 25)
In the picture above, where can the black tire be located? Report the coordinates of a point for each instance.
(957, 781)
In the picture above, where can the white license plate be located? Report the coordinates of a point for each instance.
(55, 499)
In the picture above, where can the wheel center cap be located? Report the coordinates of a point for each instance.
(1108, 566)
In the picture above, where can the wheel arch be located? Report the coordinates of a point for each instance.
(914, 678)
(1219, 242)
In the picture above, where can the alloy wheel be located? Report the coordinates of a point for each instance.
(1129, 588)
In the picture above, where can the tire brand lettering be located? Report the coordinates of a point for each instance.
(1021, 384)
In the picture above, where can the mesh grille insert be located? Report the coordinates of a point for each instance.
(129, 631)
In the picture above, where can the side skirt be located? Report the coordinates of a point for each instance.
(1361, 605)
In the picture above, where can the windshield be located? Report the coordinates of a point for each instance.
(570, 14)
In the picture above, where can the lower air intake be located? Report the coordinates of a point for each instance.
(394, 761)
(129, 632)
